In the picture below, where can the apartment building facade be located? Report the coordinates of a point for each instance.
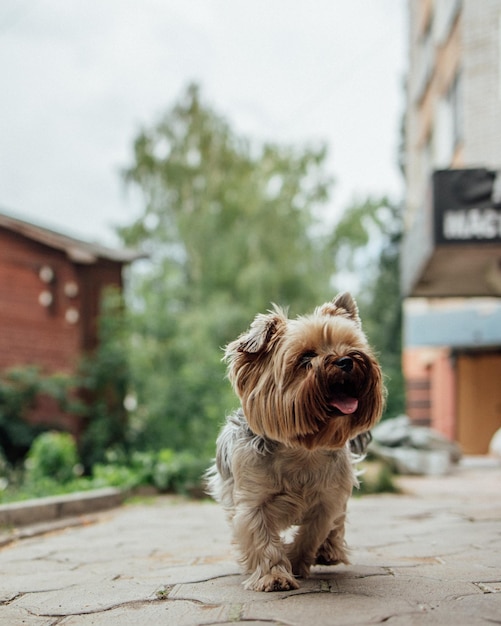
(451, 255)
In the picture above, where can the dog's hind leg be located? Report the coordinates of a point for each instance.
(334, 550)
(304, 549)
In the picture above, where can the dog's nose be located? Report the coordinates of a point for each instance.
(345, 363)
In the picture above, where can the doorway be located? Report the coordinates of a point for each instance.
(478, 399)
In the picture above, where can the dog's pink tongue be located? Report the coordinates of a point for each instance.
(345, 404)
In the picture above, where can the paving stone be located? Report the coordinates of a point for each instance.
(174, 613)
(91, 597)
(430, 556)
(325, 609)
(13, 616)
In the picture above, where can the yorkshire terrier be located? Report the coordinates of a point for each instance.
(311, 389)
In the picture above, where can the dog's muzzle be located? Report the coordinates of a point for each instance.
(342, 395)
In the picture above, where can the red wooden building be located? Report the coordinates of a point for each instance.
(50, 291)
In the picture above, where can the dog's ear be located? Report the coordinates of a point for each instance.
(343, 304)
(263, 332)
(347, 302)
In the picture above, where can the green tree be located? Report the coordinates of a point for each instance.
(103, 379)
(229, 226)
(366, 244)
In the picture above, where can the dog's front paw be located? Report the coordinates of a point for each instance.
(273, 581)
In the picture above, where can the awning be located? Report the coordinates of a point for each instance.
(454, 246)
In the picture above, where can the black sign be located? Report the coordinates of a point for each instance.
(467, 206)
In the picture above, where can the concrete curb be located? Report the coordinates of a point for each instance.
(56, 507)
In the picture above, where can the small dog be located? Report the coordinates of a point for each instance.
(308, 387)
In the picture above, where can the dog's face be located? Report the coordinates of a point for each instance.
(313, 381)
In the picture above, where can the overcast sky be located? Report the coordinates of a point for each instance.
(80, 78)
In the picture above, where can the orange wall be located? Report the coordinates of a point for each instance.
(430, 378)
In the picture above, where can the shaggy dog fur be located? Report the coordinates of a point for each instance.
(308, 387)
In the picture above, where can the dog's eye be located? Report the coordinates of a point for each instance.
(306, 358)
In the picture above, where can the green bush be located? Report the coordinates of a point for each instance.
(121, 476)
(163, 470)
(4, 472)
(53, 455)
(168, 471)
(179, 472)
(52, 467)
(376, 477)
(19, 389)
(186, 473)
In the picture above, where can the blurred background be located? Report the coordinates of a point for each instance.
(81, 81)
(169, 169)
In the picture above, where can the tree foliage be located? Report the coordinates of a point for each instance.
(366, 244)
(102, 379)
(229, 227)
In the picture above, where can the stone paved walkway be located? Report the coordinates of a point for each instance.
(430, 556)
